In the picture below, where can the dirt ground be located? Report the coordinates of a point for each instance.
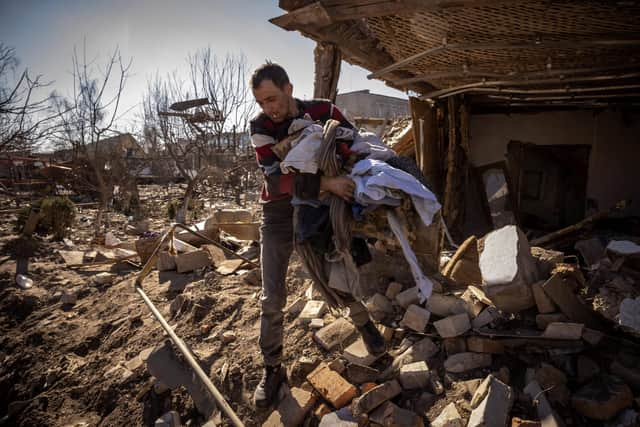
(63, 365)
(84, 364)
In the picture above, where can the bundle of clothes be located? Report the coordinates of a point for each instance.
(324, 227)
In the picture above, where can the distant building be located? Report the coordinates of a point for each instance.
(363, 103)
(123, 146)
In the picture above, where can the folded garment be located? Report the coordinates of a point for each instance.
(370, 144)
(376, 180)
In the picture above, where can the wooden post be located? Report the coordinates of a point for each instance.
(425, 137)
(327, 59)
(457, 166)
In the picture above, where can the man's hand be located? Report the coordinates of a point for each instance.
(341, 186)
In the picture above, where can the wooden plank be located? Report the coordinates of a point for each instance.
(311, 15)
(425, 138)
(448, 208)
(327, 60)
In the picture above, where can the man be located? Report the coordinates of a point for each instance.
(274, 94)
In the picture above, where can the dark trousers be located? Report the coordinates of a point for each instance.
(276, 237)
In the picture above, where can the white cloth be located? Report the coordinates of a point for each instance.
(369, 143)
(375, 180)
(424, 284)
(303, 155)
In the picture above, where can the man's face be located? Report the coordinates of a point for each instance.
(275, 102)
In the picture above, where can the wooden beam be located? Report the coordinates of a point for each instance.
(566, 97)
(327, 60)
(498, 90)
(537, 44)
(359, 48)
(342, 10)
(457, 166)
(314, 15)
(425, 137)
(460, 73)
(549, 82)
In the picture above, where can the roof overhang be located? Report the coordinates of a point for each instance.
(501, 52)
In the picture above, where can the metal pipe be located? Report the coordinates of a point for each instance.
(184, 349)
(565, 44)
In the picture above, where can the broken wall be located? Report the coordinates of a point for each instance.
(614, 138)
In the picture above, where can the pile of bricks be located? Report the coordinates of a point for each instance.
(516, 342)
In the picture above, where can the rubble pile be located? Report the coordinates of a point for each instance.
(512, 335)
(520, 339)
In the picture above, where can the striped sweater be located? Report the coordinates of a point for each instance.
(265, 133)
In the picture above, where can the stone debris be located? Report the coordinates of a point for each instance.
(445, 305)
(544, 320)
(189, 261)
(316, 323)
(416, 318)
(563, 331)
(462, 362)
(292, 410)
(591, 250)
(454, 345)
(630, 313)
(358, 353)
(449, 417)
(484, 345)
(228, 266)
(68, 298)
(414, 375)
(453, 326)
(166, 261)
(296, 307)
(313, 309)
(389, 414)
(340, 418)
(543, 302)
(393, 290)
(491, 404)
(566, 330)
(379, 306)
(485, 317)
(360, 374)
(332, 386)
(375, 397)
(603, 398)
(335, 334)
(623, 247)
(508, 269)
(104, 278)
(408, 297)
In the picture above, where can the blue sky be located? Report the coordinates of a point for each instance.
(158, 35)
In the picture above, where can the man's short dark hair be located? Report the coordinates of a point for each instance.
(269, 71)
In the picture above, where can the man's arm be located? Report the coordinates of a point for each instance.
(341, 186)
(276, 183)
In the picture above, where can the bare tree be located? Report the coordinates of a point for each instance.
(194, 140)
(225, 83)
(88, 118)
(26, 117)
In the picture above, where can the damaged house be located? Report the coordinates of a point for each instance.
(525, 124)
(535, 103)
